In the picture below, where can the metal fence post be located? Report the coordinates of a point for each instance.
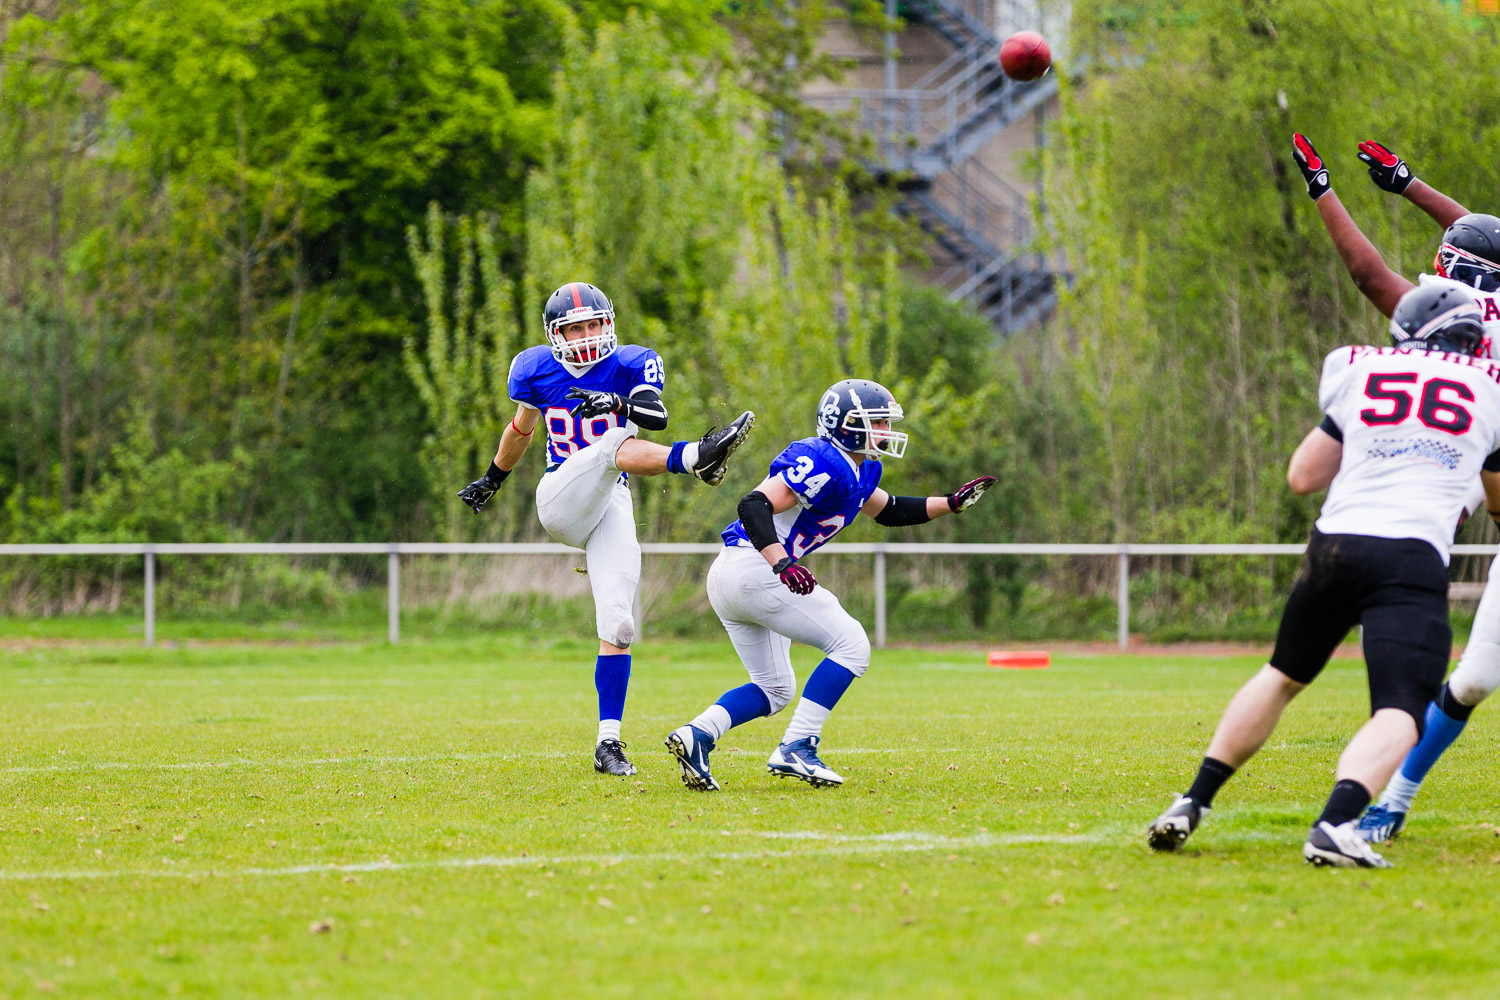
(393, 597)
(1122, 595)
(150, 596)
(880, 595)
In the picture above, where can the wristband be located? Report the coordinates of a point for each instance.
(782, 565)
(496, 474)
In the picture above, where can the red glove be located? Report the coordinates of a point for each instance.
(969, 493)
(1387, 170)
(798, 579)
(1314, 170)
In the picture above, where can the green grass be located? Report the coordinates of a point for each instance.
(175, 821)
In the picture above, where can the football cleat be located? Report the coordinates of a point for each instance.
(1330, 846)
(1170, 830)
(691, 746)
(799, 759)
(609, 758)
(715, 447)
(1380, 823)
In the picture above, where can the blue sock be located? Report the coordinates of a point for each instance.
(744, 703)
(674, 460)
(611, 678)
(1442, 729)
(828, 683)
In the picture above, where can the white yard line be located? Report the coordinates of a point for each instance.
(209, 765)
(827, 845)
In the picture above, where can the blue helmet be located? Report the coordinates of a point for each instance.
(579, 302)
(848, 411)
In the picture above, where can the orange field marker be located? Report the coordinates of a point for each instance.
(1026, 659)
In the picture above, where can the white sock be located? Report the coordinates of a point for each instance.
(1399, 793)
(714, 721)
(609, 729)
(806, 721)
(690, 456)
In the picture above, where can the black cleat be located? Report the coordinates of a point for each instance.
(1341, 846)
(715, 447)
(1170, 830)
(609, 758)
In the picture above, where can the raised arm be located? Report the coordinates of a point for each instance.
(1372, 277)
(1393, 174)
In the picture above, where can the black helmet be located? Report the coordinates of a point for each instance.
(1439, 316)
(1470, 252)
(847, 411)
(579, 302)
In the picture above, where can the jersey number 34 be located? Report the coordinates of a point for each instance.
(1434, 409)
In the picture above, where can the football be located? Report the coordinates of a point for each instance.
(1025, 56)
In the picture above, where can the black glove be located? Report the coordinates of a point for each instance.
(595, 404)
(1314, 170)
(478, 493)
(969, 493)
(798, 579)
(1387, 170)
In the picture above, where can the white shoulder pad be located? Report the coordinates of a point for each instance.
(1335, 376)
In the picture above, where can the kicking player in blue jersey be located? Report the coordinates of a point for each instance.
(591, 394)
(767, 599)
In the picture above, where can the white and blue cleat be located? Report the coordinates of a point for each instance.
(799, 759)
(691, 746)
(1380, 823)
(1341, 846)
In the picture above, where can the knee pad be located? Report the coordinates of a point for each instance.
(779, 693)
(617, 629)
(852, 650)
(610, 443)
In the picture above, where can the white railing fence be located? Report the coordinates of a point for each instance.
(393, 551)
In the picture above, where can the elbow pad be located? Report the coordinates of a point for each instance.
(646, 410)
(756, 517)
(903, 511)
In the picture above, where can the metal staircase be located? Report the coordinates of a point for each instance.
(930, 131)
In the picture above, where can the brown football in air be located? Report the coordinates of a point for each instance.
(1025, 56)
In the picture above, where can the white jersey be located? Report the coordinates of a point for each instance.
(1417, 427)
(1488, 301)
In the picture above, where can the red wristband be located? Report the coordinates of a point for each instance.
(518, 430)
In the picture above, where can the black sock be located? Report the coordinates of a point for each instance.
(1452, 707)
(1348, 800)
(1211, 777)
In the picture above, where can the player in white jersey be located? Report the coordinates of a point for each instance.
(1470, 255)
(1469, 252)
(1406, 430)
(591, 394)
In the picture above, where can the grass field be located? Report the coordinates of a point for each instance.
(352, 820)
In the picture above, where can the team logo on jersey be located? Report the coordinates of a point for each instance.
(1418, 449)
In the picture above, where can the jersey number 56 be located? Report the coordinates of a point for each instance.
(1441, 413)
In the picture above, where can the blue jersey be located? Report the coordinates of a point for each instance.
(830, 491)
(539, 380)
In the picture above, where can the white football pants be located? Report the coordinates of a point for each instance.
(763, 619)
(1478, 672)
(582, 503)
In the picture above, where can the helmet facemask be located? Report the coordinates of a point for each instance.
(879, 442)
(1466, 268)
(585, 350)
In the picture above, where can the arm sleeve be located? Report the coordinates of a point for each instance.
(903, 511)
(1331, 429)
(1492, 463)
(756, 515)
(646, 409)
